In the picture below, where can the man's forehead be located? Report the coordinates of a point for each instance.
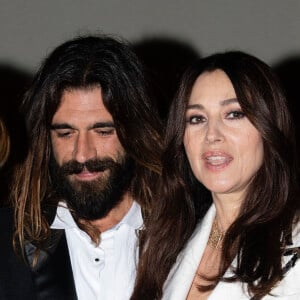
(82, 103)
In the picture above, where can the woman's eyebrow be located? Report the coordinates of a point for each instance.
(222, 103)
(228, 101)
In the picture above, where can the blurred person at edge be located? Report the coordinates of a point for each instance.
(82, 192)
(4, 143)
(227, 222)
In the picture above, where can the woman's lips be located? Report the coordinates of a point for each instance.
(216, 160)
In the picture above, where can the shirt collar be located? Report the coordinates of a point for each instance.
(64, 219)
(133, 218)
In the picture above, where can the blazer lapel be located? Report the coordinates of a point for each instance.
(182, 274)
(52, 273)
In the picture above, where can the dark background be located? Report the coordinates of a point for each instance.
(167, 35)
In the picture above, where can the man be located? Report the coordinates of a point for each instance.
(93, 159)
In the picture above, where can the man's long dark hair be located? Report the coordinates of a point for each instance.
(262, 229)
(85, 62)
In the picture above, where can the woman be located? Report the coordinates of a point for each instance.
(4, 144)
(226, 225)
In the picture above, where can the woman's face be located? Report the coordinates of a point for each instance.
(224, 149)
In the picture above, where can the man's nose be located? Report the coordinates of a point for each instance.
(84, 148)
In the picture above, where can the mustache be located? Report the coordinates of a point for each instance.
(92, 165)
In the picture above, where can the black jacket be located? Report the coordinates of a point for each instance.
(50, 279)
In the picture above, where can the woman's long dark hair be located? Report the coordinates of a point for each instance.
(263, 227)
(84, 62)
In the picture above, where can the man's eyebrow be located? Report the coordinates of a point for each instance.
(103, 124)
(60, 126)
(57, 126)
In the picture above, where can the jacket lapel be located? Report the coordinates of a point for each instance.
(182, 274)
(52, 272)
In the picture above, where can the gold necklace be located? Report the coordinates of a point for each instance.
(216, 236)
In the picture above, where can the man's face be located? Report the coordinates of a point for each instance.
(89, 169)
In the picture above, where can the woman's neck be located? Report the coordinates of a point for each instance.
(227, 209)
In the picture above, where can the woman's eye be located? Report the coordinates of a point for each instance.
(195, 119)
(237, 114)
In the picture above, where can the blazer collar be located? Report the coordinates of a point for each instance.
(182, 274)
(52, 273)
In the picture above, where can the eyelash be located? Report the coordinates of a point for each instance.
(198, 119)
(63, 134)
(195, 119)
(105, 132)
(67, 134)
(238, 114)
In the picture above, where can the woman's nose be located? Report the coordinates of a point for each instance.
(214, 132)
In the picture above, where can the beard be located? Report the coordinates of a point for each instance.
(92, 200)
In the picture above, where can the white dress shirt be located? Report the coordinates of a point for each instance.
(107, 271)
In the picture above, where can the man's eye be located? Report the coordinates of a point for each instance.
(237, 114)
(63, 133)
(104, 132)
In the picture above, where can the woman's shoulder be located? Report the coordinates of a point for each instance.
(288, 287)
(291, 254)
(296, 227)
(296, 231)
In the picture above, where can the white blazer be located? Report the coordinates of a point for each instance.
(182, 273)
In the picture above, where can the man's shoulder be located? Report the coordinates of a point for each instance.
(6, 232)
(15, 275)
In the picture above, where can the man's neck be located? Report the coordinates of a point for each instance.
(115, 215)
